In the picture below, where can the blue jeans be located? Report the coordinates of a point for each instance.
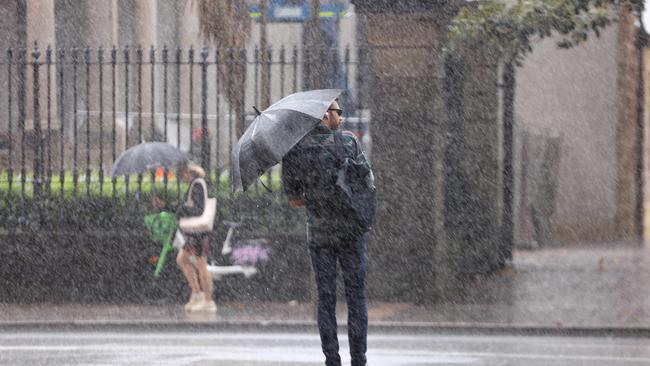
(350, 253)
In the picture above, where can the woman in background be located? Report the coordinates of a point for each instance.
(192, 259)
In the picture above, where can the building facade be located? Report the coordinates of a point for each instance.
(577, 140)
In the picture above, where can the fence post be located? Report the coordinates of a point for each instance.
(178, 55)
(75, 172)
(48, 62)
(256, 100)
(127, 61)
(36, 182)
(266, 94)
(243, 60)
(190, 60)
(152, 62)
(100, 65)
(10, 170)
(306, 70)
(61, 95)
(217, 130)
(294, 63)
(114, 102)
(346, 96)
(138, 61)
(242, 102)
(165, 60)
(205, 139)
(283, 64)
(229, 70)
(22, 65)
(361, 65)
(88, 170)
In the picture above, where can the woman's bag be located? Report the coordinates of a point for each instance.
(179, 240)
(205, 222)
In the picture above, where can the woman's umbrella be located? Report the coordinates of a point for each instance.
(275, 131)
(147, 156)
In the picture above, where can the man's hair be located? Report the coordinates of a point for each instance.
(335, 100)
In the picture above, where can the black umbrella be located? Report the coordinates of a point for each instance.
(275, 131)
(147, 156)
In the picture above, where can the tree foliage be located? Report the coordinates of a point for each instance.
(507, 28)
(228, 24)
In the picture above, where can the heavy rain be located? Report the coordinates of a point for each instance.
(324, 182)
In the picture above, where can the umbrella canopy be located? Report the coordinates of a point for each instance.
(147, 156)
(275, 131)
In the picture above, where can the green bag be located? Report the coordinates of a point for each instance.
(162, 227)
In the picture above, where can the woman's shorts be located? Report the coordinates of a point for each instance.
(197, 244)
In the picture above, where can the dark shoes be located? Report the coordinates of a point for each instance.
(338, 363)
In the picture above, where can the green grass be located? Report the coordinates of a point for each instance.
(118, 188)
(101, 210)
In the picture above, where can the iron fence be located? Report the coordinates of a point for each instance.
(68, 113)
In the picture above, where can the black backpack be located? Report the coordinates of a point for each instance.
(354, 190)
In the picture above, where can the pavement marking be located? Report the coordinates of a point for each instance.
(563, 342)
(294, 353)
(170, 348)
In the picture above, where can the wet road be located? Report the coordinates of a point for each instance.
(211, 348)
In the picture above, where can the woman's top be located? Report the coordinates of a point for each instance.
(197, 197)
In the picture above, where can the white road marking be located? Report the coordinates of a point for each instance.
(294, 353)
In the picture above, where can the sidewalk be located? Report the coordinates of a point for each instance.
(584, 290)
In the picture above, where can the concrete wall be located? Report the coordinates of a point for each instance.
(403, 95)
(571, 95)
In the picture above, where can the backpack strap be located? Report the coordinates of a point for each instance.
(338, 150)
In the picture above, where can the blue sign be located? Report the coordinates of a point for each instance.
(285, 11)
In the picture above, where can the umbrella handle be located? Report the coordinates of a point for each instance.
(257, 110)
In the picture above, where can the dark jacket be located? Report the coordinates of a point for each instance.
(309, 173)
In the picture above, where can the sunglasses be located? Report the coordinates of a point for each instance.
(338, 111)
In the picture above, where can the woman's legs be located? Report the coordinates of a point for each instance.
(205, 277)
(197, 274)
(183, 261)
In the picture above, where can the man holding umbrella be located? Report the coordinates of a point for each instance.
(326, 171)
(307, 174)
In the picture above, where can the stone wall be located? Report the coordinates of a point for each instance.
(585, 98)
(628, 134)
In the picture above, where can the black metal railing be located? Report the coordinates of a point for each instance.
(70, 112)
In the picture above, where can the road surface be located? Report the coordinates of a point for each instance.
(256, 348)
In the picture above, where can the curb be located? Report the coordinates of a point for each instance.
(309, 326)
